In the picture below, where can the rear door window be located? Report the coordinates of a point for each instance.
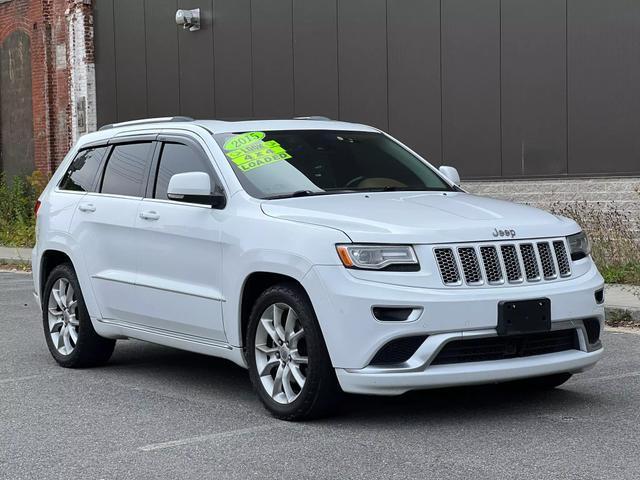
(177, 158)
(81, 175)
(127, 168)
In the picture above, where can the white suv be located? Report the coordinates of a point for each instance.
(323, 256)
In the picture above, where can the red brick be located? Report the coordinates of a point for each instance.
(45, 22)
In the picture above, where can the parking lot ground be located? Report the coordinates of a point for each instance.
(154, 412)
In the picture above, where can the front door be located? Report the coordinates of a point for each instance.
(178, 285)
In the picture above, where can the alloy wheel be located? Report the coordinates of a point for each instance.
(62, 316)
(281, 353)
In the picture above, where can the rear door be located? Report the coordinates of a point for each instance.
(103, 226)
(79, 179)
(180, 255)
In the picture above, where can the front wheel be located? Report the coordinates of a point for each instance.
(288, 361)
(70, 336)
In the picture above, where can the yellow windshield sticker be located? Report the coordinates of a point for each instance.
(248, 151)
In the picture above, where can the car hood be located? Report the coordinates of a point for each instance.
(420, 218)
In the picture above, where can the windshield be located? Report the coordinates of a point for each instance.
(285, 163)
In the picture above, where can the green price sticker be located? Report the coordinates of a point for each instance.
(248, 151)
(243, 140)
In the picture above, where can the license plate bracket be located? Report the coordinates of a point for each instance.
(524, 316)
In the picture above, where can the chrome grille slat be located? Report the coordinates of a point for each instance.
(546, 259)
(562, 259)
(470, 265)
(448, 266)
(530, 262)
(492, 265)
(513, 263)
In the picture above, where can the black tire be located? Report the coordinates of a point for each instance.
(547, 382)
(321, 393)
(90, 349)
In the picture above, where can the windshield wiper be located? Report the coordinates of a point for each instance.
(297, 193)
(390, 188)
(310, 193)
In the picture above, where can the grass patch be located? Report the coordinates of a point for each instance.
(629, 273)
(17, 200)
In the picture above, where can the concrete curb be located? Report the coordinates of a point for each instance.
(12, 262)
(13, 255)
(622, 317)
(622, 305)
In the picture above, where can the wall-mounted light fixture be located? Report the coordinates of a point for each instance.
(189, 19)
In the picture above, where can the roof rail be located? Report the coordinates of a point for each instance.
(146, 120)
(312, 117)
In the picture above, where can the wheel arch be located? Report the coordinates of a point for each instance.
(49, 260)
(253, 286)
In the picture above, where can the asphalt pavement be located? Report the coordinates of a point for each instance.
(154, 412)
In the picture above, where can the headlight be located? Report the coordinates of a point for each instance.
(579, 246)
(378, 257)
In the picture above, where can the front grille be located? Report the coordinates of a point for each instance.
(501, 348)
(505, 262)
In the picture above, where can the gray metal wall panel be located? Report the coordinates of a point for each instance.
(232, 40)
(604, 93)
(471, 86)
(362, 61)
(534, 113)
(414, 74)
(271, 26)
(464, 82)
(104, 51)
(130, 52)
(163, 65)
(196, 63)
(315, 61)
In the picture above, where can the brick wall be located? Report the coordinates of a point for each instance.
(48, 24)
(621, 194)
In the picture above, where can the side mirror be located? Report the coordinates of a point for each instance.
(451, 173)
(194, 187)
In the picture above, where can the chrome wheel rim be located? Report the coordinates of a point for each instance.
(62, 315)
(281, 353)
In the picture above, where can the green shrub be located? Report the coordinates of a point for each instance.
(615, 245)
(17, 199)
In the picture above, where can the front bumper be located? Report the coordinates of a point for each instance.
(353, 335)
(437, 376)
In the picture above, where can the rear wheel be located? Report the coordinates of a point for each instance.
(70, 336)
(288, 361)
(546, 382)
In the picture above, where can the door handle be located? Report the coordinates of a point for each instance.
(87, 207)
(149, 215)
